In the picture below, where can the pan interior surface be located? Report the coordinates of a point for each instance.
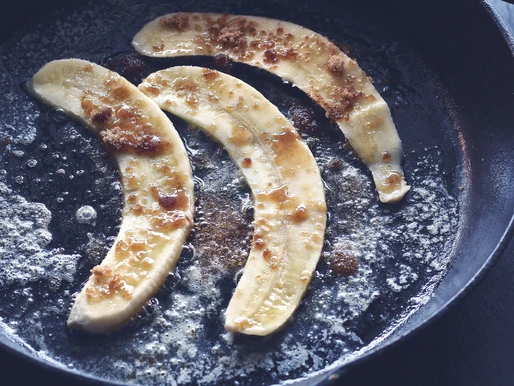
(61, 205)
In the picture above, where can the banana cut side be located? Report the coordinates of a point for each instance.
(304, 58)
(288, 194)
(157, 188)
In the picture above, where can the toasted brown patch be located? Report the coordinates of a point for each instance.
(176, 22)
(273, 55)
(279, 196)
(335, 64)
(258, 242)
(342, 103)
(246, 163)
(240, 136)
(300, 214)
(106, 283)
(153, 89)
(131, 141)
(169, 223)
(178, 201)
(102, 115)
(210, 75)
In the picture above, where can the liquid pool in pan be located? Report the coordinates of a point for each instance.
(61, 200)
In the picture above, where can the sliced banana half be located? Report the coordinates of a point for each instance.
(157, 188)
(288, 194)
(304, 58)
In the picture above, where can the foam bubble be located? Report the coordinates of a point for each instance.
(86, 215)
(23, 254)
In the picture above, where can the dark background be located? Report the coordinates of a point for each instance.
(472, 344)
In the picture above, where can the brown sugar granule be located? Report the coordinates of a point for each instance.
(210, 75)
(89, 105)
(186, 85)
(240, 135)
(386, 156)
(118, 90)
(344, 263)
(168, 201)
(348, 97)
(101, 272)
(342, 104)
(107, 283)
(258, 242)
(153, 89)
(158, 47)
(273, 55)
(266, 254)
(132, 199)
(128, 247)
(279, 195)
(288, 53)
(246, 163)
(102, 115)
(131, 141)
(300, 214)
(223, 62)
(335, 164)
(176, 22)
(233, 33)
(174, 201)
(270, 56)
(192, 100)
(393, 179)
(335, 64)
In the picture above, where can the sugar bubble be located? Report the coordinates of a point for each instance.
(86, 215)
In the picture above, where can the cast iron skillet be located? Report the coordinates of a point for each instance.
(470, 57)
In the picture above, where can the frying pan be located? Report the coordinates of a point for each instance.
(446, 70)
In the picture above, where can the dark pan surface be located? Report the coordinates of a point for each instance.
(402, 251)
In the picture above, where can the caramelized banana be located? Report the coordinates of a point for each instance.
(288, 195)
(157, 188)
(304, 58)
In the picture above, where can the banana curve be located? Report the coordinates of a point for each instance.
(304, 58)
(157, 188)
(288, 194)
